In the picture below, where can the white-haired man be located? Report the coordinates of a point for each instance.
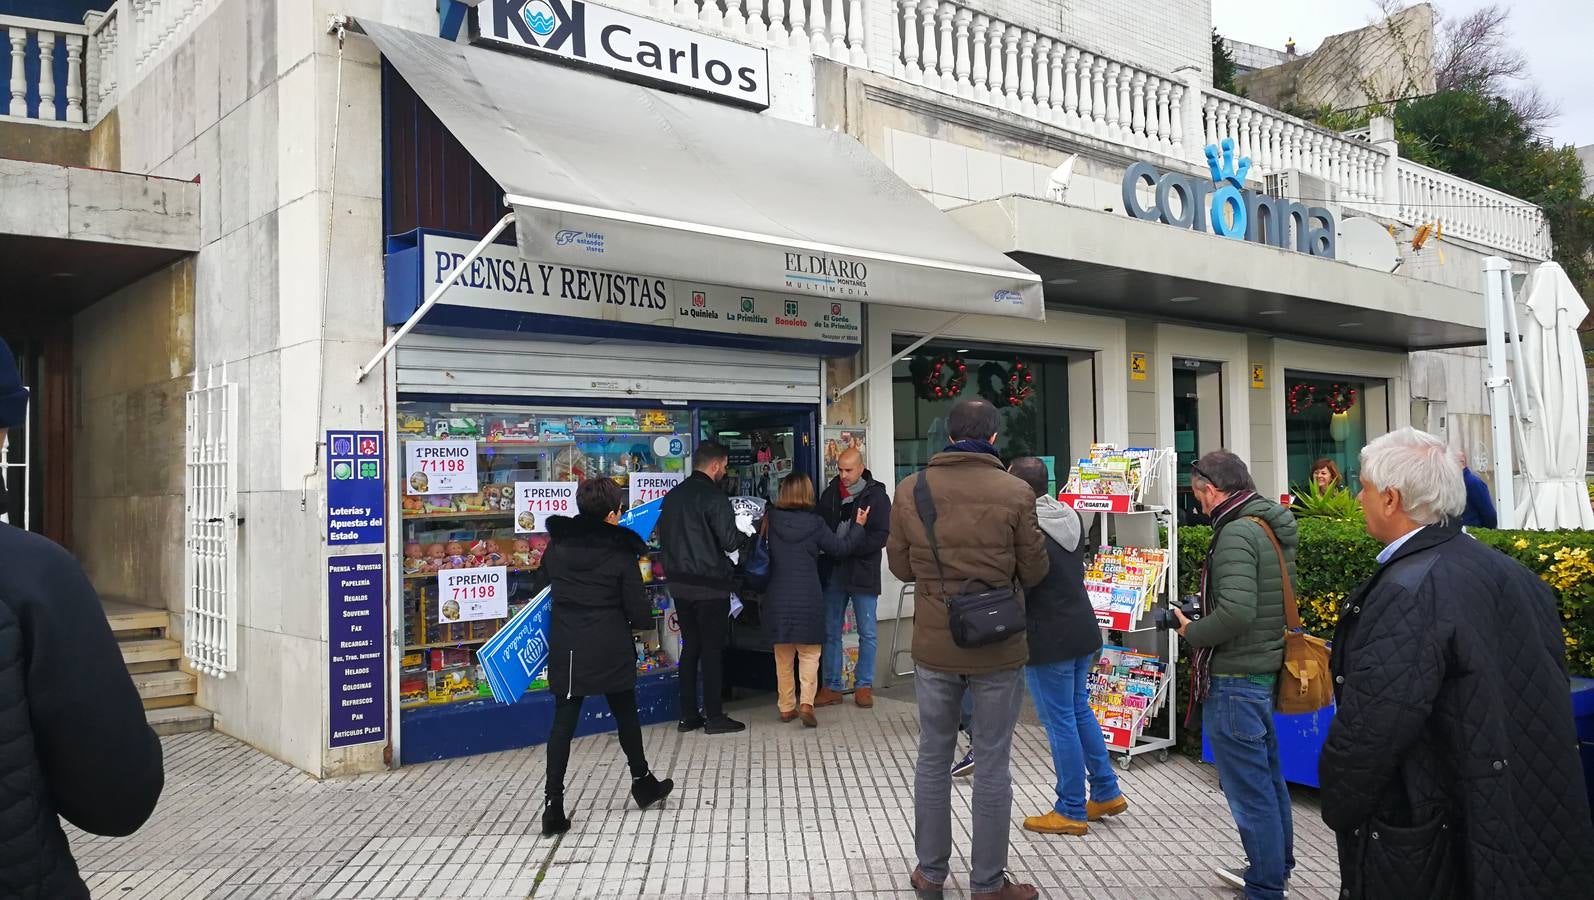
(1451, 769)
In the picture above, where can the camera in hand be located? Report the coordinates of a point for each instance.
(1165, 620)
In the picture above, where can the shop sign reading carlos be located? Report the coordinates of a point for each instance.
(629, 45)
(1232, 211)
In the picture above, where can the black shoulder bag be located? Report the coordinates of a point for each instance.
(976, 618)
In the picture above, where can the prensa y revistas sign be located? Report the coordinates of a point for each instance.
(631, 45)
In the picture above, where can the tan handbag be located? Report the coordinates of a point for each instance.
(1304, 684)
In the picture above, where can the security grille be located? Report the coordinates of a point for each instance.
(210, 614)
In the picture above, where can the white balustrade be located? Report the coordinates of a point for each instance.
(1276, 142)
(43, 47)
(1471, 211)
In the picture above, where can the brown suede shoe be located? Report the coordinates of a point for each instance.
(1097, 811)
(807, 713)
(1010, 890)
(924, 887)
(788, 716)
(827, 697)
(864, 697)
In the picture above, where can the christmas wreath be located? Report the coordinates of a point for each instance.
(938, 378)
(1009, 385)
(1302, 396)
(1341, 397)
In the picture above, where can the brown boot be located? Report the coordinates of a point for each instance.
(1010, 890)
(807, 713)
(788, 716)
(827, 697)
(1097, 811)
(925, 888)
(864, 697)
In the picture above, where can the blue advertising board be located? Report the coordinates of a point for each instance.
(643, 518)
(356, 503)
(519, 651)
(357, 678)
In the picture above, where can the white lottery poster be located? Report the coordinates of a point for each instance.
(649, 486)
(468, 595)
(440, 467)
(536, 501)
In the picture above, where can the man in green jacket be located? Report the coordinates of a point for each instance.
(1237, 650)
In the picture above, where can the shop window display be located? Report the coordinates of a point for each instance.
(1325, 418)
(477, 526)
(1030, 390)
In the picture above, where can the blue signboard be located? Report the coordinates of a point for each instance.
(357, 680)
(644, 518)
(519, 651)
(356, 504)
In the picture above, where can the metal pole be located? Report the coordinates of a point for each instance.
(431, 300)
(1496, 294)
(932, 335)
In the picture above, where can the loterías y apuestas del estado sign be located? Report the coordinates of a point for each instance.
(636, 48)
(1189, 201)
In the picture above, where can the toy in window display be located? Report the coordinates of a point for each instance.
(539, 544)
(570, 464)
(656, 420)
(476, 555)
(443, 429)
(412, 506)
(550, 430)
(520, 556)
(493, 555)
(504, 430)
(436, 558)
(455, 551)
(435, 505)
(586, 425)
(414, 559)
(408, 423)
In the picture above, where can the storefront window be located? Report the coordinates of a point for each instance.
(1030, 390)
(1325, 418)
(471, 513)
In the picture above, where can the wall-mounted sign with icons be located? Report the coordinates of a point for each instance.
(355, 499)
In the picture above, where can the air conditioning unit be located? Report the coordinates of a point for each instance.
(1293, 184)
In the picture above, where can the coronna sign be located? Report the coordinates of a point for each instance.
(1232, 211)
(631, 46)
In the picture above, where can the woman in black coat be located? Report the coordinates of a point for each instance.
(591, 565)
(794, 602)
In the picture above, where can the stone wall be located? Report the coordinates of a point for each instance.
(132, 355)
(1163, 35)
(1391, 58)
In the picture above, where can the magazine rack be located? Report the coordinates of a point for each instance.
(1134, 680)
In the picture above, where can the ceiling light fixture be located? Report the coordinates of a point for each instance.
(1350, 324)
(1185, 299)
(1062, 281)
(1271, 312)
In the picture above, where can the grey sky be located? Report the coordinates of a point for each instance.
(1555, 34)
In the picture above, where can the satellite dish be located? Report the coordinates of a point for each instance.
(1367, 243)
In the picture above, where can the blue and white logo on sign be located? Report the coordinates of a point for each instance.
(539, 17)
(1008, 297)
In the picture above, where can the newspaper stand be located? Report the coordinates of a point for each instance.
(1142, 519)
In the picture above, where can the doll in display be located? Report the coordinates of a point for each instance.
(493, 554)
(414, 559)
(436, 558)
(521, 557)
(455, 552)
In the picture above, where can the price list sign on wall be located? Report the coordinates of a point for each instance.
(440, 467)
(649, 486)
(536, 501)
(469, 595)
(358, 677)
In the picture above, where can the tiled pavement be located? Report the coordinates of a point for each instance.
(778, 811)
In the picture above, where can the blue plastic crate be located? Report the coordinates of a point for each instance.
(1300, 744)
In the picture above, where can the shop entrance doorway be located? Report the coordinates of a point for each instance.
(1197, 424)
(34, 491)
(767, 444)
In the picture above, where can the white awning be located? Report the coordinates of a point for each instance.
(611, 175)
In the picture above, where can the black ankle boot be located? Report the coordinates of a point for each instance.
(554, 820)
(649, 790)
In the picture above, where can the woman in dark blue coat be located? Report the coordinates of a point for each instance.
(794, 602)
(591, 565)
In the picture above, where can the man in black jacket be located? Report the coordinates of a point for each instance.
(854, 579)
(1451, 769)
(1063, 639)
(73, 740)
(697, 532)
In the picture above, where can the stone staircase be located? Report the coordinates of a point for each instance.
(152, 659)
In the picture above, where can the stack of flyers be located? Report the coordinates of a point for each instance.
(1108, 470)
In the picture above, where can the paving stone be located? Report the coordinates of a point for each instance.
(773, 812)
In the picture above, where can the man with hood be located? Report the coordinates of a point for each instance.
(1237, 649)
(1063, 640)
(74, 743)
(853, 579)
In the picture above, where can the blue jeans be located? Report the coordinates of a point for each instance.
(864, 609)
(1061, 702)
(1238, 723)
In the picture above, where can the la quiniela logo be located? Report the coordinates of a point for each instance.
(539, 17)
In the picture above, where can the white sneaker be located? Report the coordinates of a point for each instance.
(1236, 878)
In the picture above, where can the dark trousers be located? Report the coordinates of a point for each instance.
(567, 712)
(704, 623)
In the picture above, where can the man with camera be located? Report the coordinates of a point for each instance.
(964, 531)
(1237, 649)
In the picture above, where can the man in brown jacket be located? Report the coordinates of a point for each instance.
(985, 532)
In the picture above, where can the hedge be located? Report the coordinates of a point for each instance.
(1336, 556)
